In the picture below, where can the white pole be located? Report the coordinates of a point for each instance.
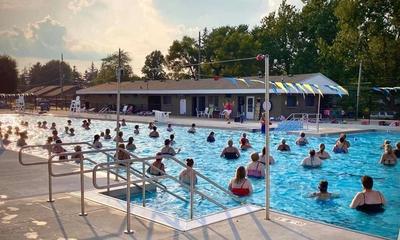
(358, 89)
(267, 180)
(119, 72)
(319, 107)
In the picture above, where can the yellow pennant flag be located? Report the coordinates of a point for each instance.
(302, 88)
(292, 86)
(308, 87)
(280, 85)
(319, 90)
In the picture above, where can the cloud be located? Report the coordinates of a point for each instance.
(77, 5)
(43, 39)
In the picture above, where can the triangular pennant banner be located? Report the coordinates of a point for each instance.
(281, 86)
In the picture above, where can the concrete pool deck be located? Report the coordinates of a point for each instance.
(25, 214)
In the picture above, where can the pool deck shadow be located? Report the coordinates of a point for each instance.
(25, 214)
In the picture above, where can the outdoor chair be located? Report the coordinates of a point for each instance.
(199, 113)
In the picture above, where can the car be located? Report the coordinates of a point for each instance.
(383, 115)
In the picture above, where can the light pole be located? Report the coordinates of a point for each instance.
(358, 88)
(267, 178)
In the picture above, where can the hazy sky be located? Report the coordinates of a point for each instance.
(88, 30)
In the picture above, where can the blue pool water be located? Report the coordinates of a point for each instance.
(290, 183)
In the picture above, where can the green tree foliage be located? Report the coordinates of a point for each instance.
(90, 75)
(109, 65)
(181, 54)
(8, 74)
(153, 68)
(49, 74)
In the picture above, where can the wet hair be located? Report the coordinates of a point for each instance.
(158, 156)
(189, 162)
(230, 142)
(154, 128)
(102, 134)
(136, 126)
(172, 136)
(283, 141)
(54, 132)
(130, 140)
(66, 128)
(39, 123)
(240, 174)
(367, 182)
(302, 134)
(49, 139)
(321, 147)
(77, 148)
(254, 157)
(312, 152)
(6, 135)
(58, 141)
(323, 186)
(244, 135)
(69, 121)
(169, 124)
(341, 139)
(193, 125)
(71, 130)
(121, 145)
(120, 134)
(212, 133)
(53, 123)
(123, 120)
(44, 122)
(108, 131)
(167, 142)
(96, 138)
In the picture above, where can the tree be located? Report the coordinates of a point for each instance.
(154, 66)
(50, 73)
(8, 74)
(109, 66)
(90, 74)
(76, 76)
(23, 80)
(181, 55)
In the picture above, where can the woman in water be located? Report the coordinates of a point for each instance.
(311, 161)
(122, 155)
(340, 146)
(78, 156)
(302, 140)
(107, 135)
(322, 154)
(323, 193)
(255, 168)
(168, 150)
(346, 143)
(192, 129)
(388, 157)
(369, 201)
(283, 147)
(211, 137)
(119, 137)
(187, 174)
(230, 152)
(96, 142)
(154, 133)
(169, 128)
(57, 148)
(240, 185)
(151, 125)
(157, 168)
(244, 142)
(262, 158)
(136, 131)
(130, 146)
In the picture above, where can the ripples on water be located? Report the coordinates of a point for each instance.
(290, 183)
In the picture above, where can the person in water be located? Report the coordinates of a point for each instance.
(187, 174)
(172, 139)
(44, 125)
(341, 146)
(386, 142)
(283, 147)
(53, 126)
(302, 140)
(169, 128)
(244, 142)
(39, 124)
(71, 132)
(255, 168)
(66, 129)
(323, 193)
(230, 152)
(21, 141)
(96, 142)
(57, 148)
(192, 129)
(211, 137)
(397, 150)
(78, 156)
(151, 125)
(263, 157)
(168, 150)
(107, 135)
(388, 157)
(154, 133)
(69, 123)
(119, 137)
(55, 135)
(123, 122)
(157, 168)
(122, 155)
(322, 154)
(130, 146)
(240, 185)
(346, 143)
(369, 201)
(136, 131)
(5, 139)
(311, 161)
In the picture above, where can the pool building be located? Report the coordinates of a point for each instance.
(190, 97)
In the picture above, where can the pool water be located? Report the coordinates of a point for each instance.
(290, 183)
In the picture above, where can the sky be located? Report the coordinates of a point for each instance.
(87, 30)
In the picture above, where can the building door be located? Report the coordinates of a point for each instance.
(182, 106)
(154, 103)
(198, 103)
(250, 107)
(194, 106)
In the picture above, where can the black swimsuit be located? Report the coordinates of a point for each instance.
(371, 208)
(231, 155)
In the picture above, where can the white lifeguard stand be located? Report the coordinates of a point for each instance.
(20, 104)
(75, 106)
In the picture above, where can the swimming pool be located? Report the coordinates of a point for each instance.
(290, 183)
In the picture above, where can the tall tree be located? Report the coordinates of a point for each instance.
(76, 76)
(50, 73)
(109, 65)
(181, 55)
(8, 74)
(23, 80)
(90, 74)
(154, 66)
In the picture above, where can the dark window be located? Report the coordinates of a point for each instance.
(213, 100)
(167, 100)
(291, 101)
(310, 100)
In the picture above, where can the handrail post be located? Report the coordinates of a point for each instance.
(143, 186)
(50, 183)
(108, 174)
(128, 199)
(83, 213)
(191, 192)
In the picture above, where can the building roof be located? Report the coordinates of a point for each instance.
(44, 90)
(210, 86)
(57, 91)
(33, 90)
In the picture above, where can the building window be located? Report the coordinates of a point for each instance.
(310, 100)
(291, 101)
(167, 100)
(213, 100)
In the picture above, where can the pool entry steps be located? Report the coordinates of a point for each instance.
(129, 179)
